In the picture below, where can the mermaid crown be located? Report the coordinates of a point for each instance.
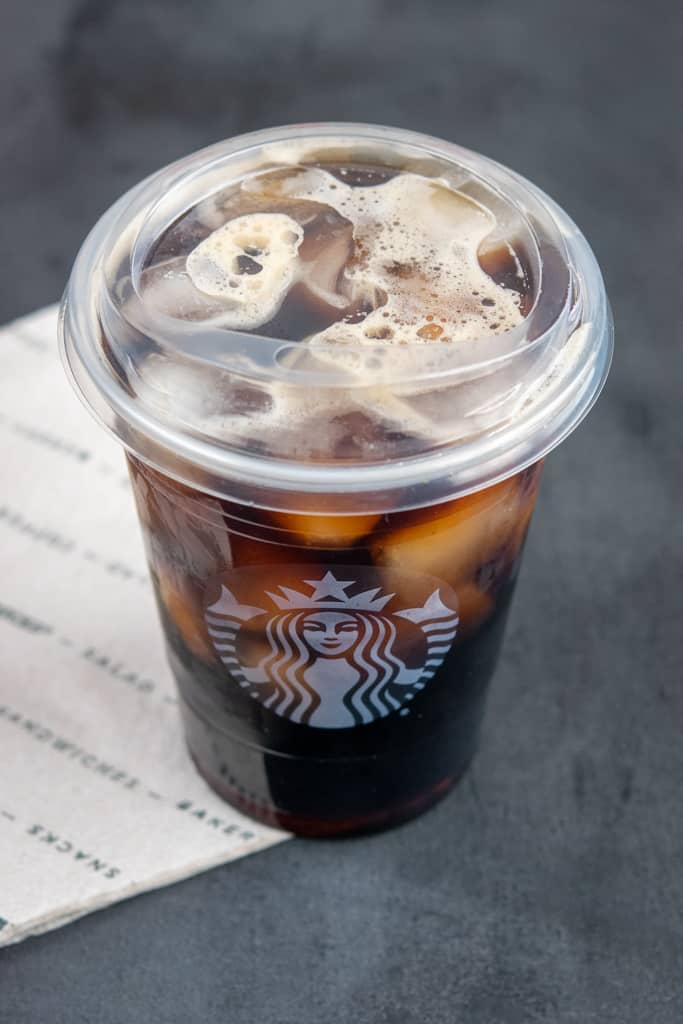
(329, 592)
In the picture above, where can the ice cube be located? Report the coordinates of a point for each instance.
(185, 612)
(320, 529)
(168, 288)
(452, 542)
(474, 606)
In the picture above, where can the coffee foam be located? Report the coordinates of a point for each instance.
(413, 263)
(249, 262)
(406, 249)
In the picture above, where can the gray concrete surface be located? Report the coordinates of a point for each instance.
(549, 887)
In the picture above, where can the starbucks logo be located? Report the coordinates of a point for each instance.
(328, 652)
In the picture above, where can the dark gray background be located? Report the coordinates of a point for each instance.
(548, 888)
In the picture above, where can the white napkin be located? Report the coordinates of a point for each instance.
(98, 797)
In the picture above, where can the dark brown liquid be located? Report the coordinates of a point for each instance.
(399, 754)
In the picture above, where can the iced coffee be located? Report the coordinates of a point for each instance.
(337, 357)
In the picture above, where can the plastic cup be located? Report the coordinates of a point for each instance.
(333, 593)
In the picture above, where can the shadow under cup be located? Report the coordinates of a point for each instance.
(332, 669)
(333, 592)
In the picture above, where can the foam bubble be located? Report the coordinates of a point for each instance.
(249, 263)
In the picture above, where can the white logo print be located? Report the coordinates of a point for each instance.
(328, 656)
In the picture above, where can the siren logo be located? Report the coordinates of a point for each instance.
(329, 653)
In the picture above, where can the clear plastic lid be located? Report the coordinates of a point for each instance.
(271, 421)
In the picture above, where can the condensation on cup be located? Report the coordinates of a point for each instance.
(336, 356)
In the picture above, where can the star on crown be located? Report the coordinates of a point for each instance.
(329, 592)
